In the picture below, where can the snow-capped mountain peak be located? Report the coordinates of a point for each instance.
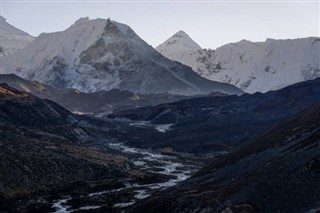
(102, 54)
(82, 20)
(12, 39)
(185, 39)
(180, 47)
(254, 66)
(177, 44)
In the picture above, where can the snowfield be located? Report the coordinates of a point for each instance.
(251, 66)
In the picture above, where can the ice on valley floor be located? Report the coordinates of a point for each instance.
(123, 205)
(88, 208)
(146, 160)
(163, 127)
(208, 108)
(127, 186)
(314, 210)
(167, 166)
(147, 154)
(82, 113)
(141, 194)
(159, 128)
(139, 163)
(59, 205)
(140, 123)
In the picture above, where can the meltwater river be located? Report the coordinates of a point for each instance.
(145, 160)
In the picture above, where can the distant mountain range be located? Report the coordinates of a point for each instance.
(251, 66)
(100, 54)
(12, 39)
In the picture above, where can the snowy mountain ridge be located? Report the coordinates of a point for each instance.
(101, 54)
(253, 66)
(12, 39)
(177, 45)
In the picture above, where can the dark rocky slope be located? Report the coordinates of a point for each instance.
(211, 124)
(277, 172)
(43, 147)
(101, 102)
(56, 161)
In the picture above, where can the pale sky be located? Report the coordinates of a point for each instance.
(210, 23)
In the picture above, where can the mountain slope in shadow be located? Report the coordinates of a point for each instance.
(211, 124)
(277, 172)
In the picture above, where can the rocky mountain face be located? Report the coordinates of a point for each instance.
(215, 124)
(251, 66)
(100, 54)
(29, 86)
(276, 172)
(56, 161)
(98, 103)
(12, 39)
(43, 148)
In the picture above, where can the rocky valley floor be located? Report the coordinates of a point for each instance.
(57, 161)
(155, 171)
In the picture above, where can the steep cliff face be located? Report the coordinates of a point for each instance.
(252, 66)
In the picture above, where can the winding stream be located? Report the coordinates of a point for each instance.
(145, 160)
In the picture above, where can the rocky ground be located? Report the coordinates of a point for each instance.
(99, 103)
(211, 124)
(277, 172)
(55, 161)
(151, 172)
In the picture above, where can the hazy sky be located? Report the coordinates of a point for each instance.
(210, 23)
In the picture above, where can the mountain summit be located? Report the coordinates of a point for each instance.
(251, 66)
(176, 47)
(12, 39)
(101, 54)
(179, 41)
